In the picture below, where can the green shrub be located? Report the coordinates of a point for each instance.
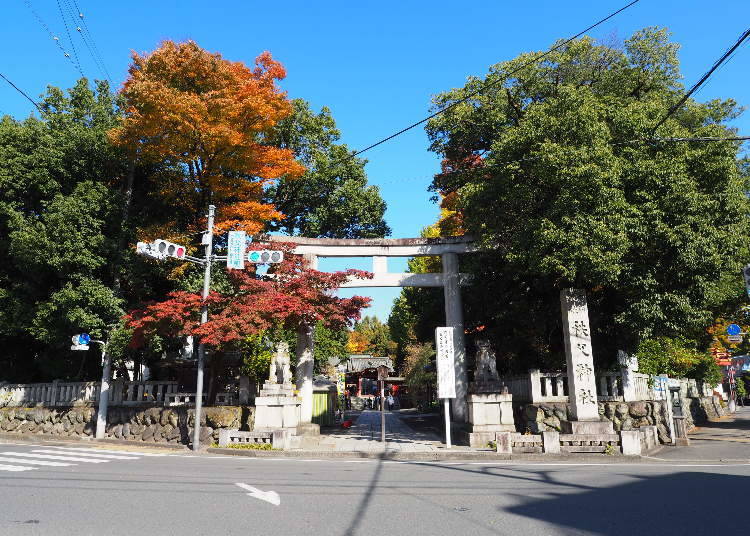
(248, 446)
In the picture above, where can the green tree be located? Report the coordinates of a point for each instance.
(332, 199)
(377, 336)
(59, 218)
(555, 170)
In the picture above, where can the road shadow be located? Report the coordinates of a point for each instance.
(680, 503)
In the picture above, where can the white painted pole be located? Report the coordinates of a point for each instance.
(204, 319)
(447, 409)
(101, 416)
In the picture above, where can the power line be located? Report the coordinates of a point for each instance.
(22, 92)
(52, 35)
(702, 80)
(83, 31)
(67, 32)
(489, 85)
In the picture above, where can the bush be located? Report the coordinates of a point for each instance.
(677, 358)
(249, 446)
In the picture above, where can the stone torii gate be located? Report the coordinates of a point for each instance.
(379, 249)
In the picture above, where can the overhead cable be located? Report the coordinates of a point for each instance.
(22, 92)
(702, 80)
(52, 35)
(489, 85)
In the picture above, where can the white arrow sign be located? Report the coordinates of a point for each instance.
(268, 496)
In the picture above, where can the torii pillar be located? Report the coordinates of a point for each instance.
(454, 317)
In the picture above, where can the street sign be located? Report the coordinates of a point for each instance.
(733, 329)
(236, 250)
(79, 347)
(445, 363)
(734, 338)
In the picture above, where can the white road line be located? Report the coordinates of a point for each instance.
(89, 454)
(37, 462)
(107, 451)
(15, 468)
(49, 457)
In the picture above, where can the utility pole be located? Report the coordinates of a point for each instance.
(208, 240)
(101, 416)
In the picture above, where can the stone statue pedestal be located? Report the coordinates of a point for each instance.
(277, 408)
(489, 413)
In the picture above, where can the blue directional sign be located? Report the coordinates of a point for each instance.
(733, 329)
(84, 338)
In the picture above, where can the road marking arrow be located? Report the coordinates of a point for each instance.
(268, 496)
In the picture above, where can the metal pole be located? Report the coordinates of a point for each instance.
(204, 319)
(447, 409)
(382, 411)
(101, 416)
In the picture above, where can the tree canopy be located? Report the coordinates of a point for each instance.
(556, 170)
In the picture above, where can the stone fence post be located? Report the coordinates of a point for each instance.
(628, 385)
(53, 394)
(535, 385)
(117, 388)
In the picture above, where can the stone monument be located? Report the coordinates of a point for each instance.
(490, 404)
(584, 409)
(277, 407)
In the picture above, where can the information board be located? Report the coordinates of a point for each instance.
(446, 358)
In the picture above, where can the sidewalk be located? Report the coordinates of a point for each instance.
(727, 439)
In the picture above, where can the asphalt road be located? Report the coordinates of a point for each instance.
(128, 492)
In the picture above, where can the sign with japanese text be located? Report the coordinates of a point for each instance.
(236, 250)
(446, 358)
(579, 354)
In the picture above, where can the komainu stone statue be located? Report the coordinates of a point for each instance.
(486, 363)
(281, 371)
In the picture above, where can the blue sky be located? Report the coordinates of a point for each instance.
(375, 64)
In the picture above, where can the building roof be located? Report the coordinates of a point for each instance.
(360, 362)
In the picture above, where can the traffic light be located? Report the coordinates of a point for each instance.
(168, 249)
(746, 273)
(161, 249)
(265, 256)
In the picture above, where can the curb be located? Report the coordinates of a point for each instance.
(44, 440)
(468, 456)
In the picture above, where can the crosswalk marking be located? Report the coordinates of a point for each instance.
(51, 457)
(88, 454)
(108, 451)
(36, 462)
(15, 468)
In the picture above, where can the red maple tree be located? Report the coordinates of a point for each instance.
(290, 293)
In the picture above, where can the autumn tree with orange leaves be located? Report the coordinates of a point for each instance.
(208, 120)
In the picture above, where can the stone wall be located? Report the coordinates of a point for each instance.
(698, 411)
(159, 425)
(537, 418)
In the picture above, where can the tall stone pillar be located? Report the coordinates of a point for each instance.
(454, 317)
(305, 364)
(584, 408)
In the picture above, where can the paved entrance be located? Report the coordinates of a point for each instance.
(364, 436)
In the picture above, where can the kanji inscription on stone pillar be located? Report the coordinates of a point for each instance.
(579, 355)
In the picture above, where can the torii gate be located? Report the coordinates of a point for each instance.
(380, 249)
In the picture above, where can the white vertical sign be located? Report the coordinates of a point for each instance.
(445, 363)
(236, 250)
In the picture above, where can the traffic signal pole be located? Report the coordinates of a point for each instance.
(101, 415)
(208, 240)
